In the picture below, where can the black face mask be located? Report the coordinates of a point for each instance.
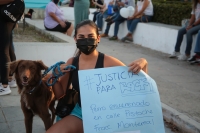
(56, 1)
(86, 45)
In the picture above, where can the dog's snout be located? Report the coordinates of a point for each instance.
(25, 78)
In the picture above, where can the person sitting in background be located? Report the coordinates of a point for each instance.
(196, 57)
(103, 12)
(100, 2)
(143, 13)
(190, 30)
(117, 19)
(54, 19)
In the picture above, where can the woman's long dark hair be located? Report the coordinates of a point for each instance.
(83, 23)
(195, 2)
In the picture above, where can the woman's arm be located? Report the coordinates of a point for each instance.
(53, 15)
(101, 6)
(60, 86)
(136, 10)
(139, 64)
(3, 2)
(192, 20)
(145, 5)
(110, 61)
(135, 66)
(197, 22)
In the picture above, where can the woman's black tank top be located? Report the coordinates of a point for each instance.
(75, 80)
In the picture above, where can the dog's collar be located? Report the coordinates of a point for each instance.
(32, 90)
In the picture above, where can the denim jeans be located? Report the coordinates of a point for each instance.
(108, 26)
(117, 23)
(197, 47)
(118, 19)
(189, 39)
(131, 24)
(99, 19)
(95, 14)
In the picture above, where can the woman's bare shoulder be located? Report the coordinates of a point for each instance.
(70, 60)
(110, 61)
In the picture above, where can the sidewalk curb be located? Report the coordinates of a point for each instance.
(183, 122)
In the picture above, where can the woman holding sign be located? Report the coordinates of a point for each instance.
(143, 13)
(87, 39)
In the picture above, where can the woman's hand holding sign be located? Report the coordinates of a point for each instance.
(137, 65)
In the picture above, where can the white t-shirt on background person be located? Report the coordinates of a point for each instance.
(149, 10)
(197, 12)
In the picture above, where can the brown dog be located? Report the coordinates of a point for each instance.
(36, 96)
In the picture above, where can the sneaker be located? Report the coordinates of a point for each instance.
(110, 22)
(174, 54)
(4, 91)
(113, 38)
(196, 61)
(104, 35)
(12, 83)
(127, 39)
(183, 57)
(193, 58)
(108, 19)
(123, 39)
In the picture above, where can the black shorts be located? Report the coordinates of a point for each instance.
(60, 28)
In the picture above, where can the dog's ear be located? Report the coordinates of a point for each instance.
(41, 65)
(13, 66)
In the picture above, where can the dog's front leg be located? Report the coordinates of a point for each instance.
(46, 117)
(28, 118)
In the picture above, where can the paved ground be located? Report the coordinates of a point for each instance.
(12, 119)
(11, 116)
(178, 84)
(178, 81)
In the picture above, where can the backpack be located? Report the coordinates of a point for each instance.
(12, 12)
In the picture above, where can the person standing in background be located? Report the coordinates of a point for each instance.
(7, 54)
(81, 10)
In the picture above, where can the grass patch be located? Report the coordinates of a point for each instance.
(30, 35)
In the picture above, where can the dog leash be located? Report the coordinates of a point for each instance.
(56, 76)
